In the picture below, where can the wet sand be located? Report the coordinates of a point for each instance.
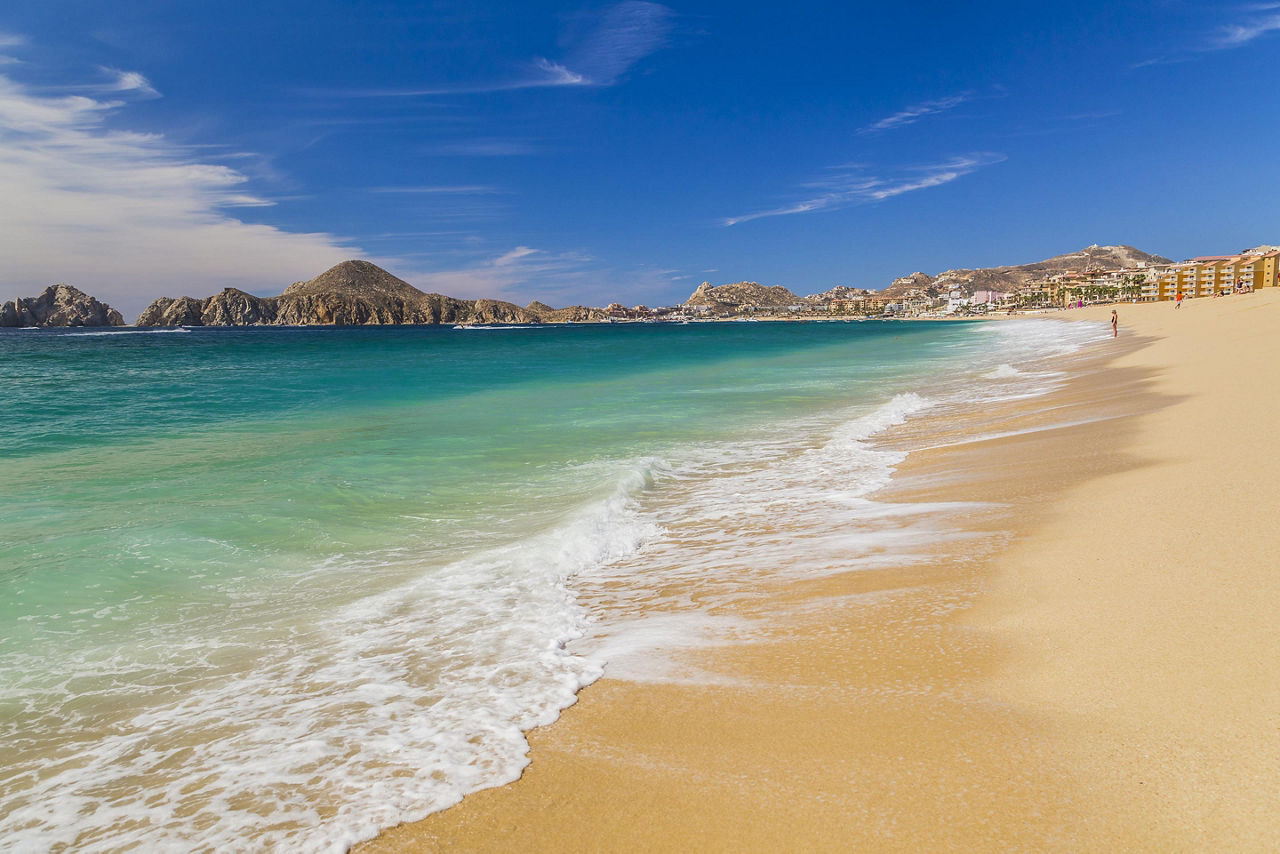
(1094, 670)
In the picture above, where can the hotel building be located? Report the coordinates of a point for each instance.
(1217, 274)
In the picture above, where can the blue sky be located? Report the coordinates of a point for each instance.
(621, 151)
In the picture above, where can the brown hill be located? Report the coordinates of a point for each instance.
(904, 285)
(741, 295)
(357, 279)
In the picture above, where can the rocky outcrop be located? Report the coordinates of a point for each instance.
(354, 293)
(741, 296)
(570, 314)
(59, 305)
(234, 307)
(184, 311)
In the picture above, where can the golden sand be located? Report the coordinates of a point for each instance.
(1097, 671)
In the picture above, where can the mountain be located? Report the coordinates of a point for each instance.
(739, 295)
(354, 293)
(1011, 278)
(59, 305)
(356, 278)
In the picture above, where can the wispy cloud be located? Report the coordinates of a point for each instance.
(518, 274)
(855, 184)
(625, 34)
(525, 273)
(509, 258)
(914, 113)
(127, 81)
(10, 40)
(1251, 22)
(610, 46)
(129, 216)
(1261, 19)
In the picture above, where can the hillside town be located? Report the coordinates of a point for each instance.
(1098, 274)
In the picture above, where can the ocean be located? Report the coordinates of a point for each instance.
(281, 588)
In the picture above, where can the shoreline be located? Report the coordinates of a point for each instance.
(944, 703)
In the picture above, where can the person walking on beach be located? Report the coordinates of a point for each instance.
(1178, 304)
(1115, 323)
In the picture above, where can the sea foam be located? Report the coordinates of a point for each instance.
(391, 710)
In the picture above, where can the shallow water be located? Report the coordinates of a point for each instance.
(285, 587)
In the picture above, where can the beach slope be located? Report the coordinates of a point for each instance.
(1099, 672)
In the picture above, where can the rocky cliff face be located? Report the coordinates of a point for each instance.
(354, 293)
(166, 311)
(59, 305)
(740, 295)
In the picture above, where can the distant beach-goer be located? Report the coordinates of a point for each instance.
(1115, 323)
(1178, 304)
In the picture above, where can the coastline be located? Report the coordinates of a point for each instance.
(1016, 689)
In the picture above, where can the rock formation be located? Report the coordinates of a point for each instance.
(570, 314)
(741, 295)
(59, 305)
(166, 311)
(355, 293)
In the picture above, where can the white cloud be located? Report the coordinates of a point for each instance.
(559, 279)
(130, 216)
(519, 274)
(514, 255)
(1265, 19)
(1254, 22)
(8, 39)
(128, 81)
(916, 112)
(556, 75)
(851, 185)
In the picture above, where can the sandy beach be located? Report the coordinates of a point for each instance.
(1090, 667)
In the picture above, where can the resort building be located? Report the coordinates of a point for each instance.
(861, 304)
(1220, 274)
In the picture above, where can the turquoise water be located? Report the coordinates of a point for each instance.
(285, 587)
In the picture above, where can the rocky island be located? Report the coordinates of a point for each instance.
(59, 305)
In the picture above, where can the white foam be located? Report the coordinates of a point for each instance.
(164, 331)
(394, 708)
(488, 328)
